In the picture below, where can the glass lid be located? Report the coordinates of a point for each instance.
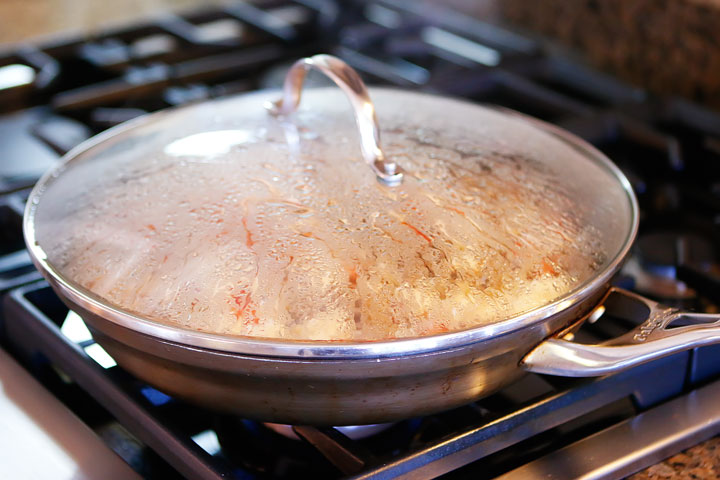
(224, 218)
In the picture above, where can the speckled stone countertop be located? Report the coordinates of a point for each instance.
(22, 20)
(669, 47)
(701, 462)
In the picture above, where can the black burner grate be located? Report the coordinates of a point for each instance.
(201, 444)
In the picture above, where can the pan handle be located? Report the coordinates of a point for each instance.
(654, 338)
(387, 171)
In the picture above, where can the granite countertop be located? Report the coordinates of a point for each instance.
(701, 462)
(22, 20)
(667, 47)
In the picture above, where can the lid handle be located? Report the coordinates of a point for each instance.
(387, 171)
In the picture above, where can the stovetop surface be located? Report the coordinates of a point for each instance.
(669, 149)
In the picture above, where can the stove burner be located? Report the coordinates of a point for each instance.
(660, 253)
(657, 257)
(354, 432)
(287, 451)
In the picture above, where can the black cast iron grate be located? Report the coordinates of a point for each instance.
(518, 424)
(669, 148)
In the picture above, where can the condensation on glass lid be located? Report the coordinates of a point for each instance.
(292, 237)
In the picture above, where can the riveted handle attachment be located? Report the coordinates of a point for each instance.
(387, 171)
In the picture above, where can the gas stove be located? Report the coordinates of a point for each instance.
(54, 95)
